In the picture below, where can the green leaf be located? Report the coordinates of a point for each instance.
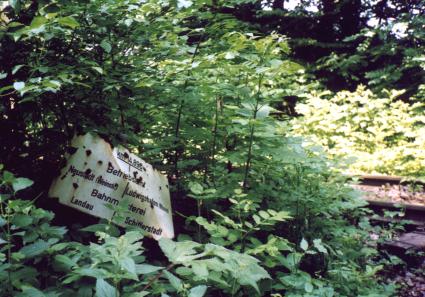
(319, 246)
(198, 291)
(35, 248)
(308, 287)
(21, 220)
(179, 252)
(92, 272)
(263, 112)
(200, 269)
(291, 261)
(146, 268)
(104, 289)
(139, 294)
(106, 228)
(128, 264)
(16, 68)
(98, 69)
(37, 22)
(106, 46)
(3, 75)
(65, 261)
(304, 244)
(53, 84)
(174, 280)
(28, 291)
(69, 22)
(16, 5)
(21, 183)
(196, 188)
(19, 85)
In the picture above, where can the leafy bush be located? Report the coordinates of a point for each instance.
(385, 135)
(36, 260)
(192, 90)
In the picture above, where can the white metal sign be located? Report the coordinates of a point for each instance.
(98, 179)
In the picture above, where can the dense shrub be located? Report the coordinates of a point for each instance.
(382, 134)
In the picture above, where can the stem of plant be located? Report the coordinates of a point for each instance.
(150, 283)
(251, 136)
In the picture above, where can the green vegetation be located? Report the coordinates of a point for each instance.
(204, 91)
(385, 135)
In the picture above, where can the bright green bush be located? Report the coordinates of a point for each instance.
(384, 135)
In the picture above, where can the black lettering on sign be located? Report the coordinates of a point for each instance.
(102, 196)
(150, 229)
(81, 203)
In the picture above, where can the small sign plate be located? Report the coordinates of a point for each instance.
(98, 179)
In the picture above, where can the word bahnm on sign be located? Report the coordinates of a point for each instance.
(98, 179)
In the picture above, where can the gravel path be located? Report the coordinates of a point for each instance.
(395, 193)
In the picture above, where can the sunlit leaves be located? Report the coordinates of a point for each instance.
(68, 22)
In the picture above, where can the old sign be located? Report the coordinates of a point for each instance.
(99, 180)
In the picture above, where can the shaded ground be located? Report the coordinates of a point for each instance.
(410, 280)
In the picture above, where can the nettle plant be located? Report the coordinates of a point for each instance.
(37, 259)
(386, 135)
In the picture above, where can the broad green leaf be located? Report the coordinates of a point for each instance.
(291, 261)
(146, 268)
(65, 261)
(21, 183)
(28, 291)
(104, 289)
(37, 22)
(174, 280)
(92, 272)
(200, 269)
(179, 252)
(16, 5)
(263, 112)
(198, 291)
(3, 75)
(69, 22)
(128, 264)
(34, 249)
(319, 246)
(8, 177)
(308, 287)
(22, 220)
(106, 46)
(196, 188)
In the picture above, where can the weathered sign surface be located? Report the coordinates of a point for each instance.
(98, 179)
